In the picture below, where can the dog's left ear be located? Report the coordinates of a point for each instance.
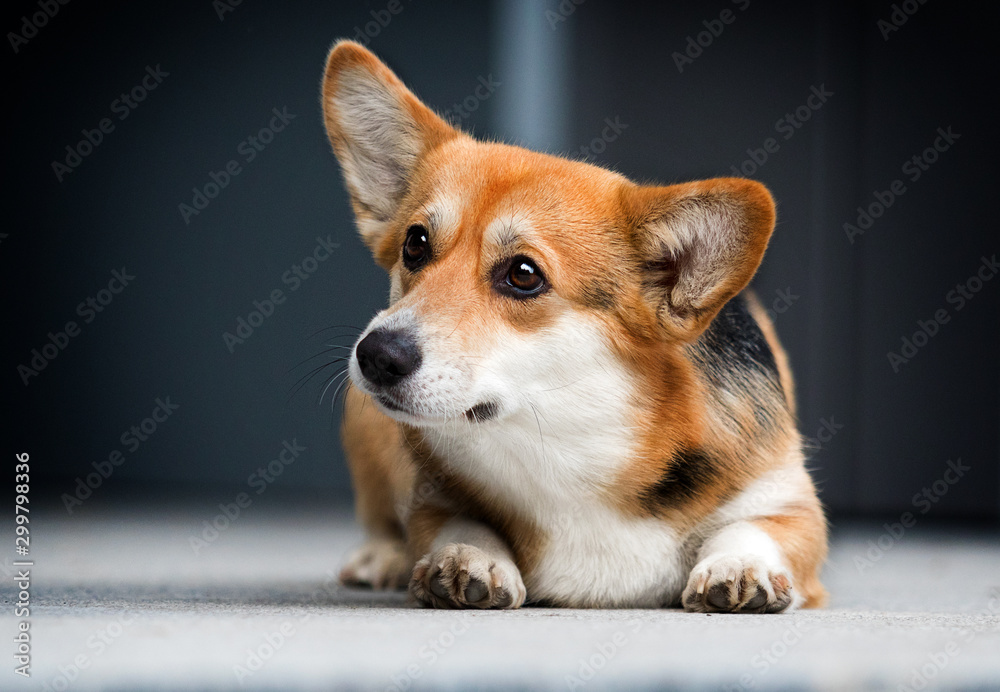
(379, 131)
(700, 244)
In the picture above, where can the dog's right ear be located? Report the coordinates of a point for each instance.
(379, 131)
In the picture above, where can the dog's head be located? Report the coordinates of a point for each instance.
(512, 272)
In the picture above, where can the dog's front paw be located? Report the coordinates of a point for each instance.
(381, 563)
(737, 585)
(463, 576)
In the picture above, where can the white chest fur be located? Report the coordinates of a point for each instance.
(566, 435)
(552, 470)
(598, 558)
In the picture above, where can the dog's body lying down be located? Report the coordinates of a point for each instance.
(569, 400)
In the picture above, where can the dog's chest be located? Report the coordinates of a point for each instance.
(584, 552)
(595, 557)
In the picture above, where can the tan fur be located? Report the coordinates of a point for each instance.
(801, 532)
(633, 258)
(465, 499)
(780, 356)
(382, 470)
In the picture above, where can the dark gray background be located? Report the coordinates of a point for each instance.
(559, 81)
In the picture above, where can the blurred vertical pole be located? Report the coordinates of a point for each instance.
(531, 48)
(828, 388)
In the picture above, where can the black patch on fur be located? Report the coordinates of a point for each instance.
(689, 472)
(734, 341)
(598, 296)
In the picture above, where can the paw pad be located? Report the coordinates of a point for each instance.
(737, 585)
(463, 576)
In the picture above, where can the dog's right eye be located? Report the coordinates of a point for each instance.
(416, 248)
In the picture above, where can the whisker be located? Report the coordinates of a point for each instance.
(336, 394)
(459, 323)
(541, 439)
(333, 399)
(539, 391)
(330, 382)
(304, 380)
(357, 330)
(352, 337)
(321, 353)
(360, 409)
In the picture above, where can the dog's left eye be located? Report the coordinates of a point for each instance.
(416, 248)
(524, 277)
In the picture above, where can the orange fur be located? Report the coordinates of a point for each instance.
(382, 470)
(617, 254)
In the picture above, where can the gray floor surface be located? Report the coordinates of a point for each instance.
(120, 601)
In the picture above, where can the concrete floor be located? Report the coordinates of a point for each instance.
(120, 601)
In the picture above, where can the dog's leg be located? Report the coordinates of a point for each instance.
(761, 565)
(465, 564)
(382, 474)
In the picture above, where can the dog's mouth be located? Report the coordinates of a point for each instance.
(482, 412)
(391, 404)
(479, 413)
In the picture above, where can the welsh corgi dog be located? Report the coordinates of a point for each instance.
(571, 399)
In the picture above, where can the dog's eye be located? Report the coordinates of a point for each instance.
(416, 248)
(525, 277)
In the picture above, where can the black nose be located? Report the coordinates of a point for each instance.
(386, 357)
